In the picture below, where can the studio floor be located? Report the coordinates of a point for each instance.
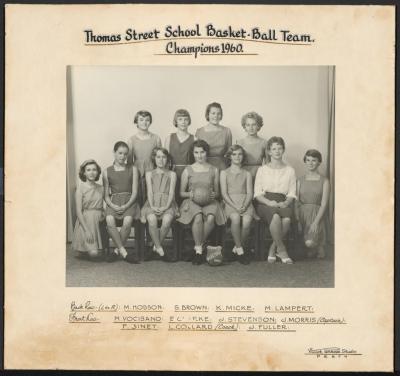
(303, 273)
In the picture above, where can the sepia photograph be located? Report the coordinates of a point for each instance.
(215, 176)
(198, 177)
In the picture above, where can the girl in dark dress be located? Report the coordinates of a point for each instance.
(120, 191)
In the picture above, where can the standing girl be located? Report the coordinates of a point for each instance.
(255, 146)
(218, 137)
(179, 144)
(87, 238)
(160, 204)
(237, 192)
(141, 146)
(274, 191)
(313, 195)
(203, 218)
(120, 190)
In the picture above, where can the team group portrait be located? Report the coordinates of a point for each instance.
(200, 176)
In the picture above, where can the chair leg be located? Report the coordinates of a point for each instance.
(140, 239)
(262, 241)
(257, 240)
(175, 241)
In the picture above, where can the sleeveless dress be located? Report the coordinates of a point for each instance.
(310, 196)
(161, 185)
(219, 140)
(180, 153)
(140, 155)
(93, 214)
(120, 183)
(236, 188)
(189, 208)
(255, 154)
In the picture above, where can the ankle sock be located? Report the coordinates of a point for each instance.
(239, 251)
(123, 252)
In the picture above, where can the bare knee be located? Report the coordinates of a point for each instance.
(286, 221)
(167, 220)
(127, 222)
(198, 219)
(210, 219)
(152, 220)
(247, 220)
(235, 219)
(276, 219)
(110, 221)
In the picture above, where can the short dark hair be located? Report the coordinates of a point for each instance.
(275, 140)
(120, 144)
(181, 112)
(83, 166)
(233, 148)
(165, 152)
(313, 153)
(208, 108)
(142, 113)
(198, 144)
(253, 115)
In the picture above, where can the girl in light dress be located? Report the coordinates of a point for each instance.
(141, 146)
(237, 192)
(218, 137)
(313, 196)
(202, 218)
(120, 192)
(160, 204)
(255, 146)
(274, 192)
(87, 237)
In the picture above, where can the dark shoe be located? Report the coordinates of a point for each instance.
(197, 259)
(243, 259)
(131, 259)
(111, 256)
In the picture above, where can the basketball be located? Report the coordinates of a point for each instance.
(201, 195)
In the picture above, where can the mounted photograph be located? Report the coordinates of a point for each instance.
(213, 176)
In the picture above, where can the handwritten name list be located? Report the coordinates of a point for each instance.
(200, 317)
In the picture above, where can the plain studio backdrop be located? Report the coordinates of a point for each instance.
(296, 103)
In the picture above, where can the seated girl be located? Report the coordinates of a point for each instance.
(313, 196)
(120, 190)
(87, 238)
(160, 204)
(274, 192)
(202, 216)
(237, 192)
